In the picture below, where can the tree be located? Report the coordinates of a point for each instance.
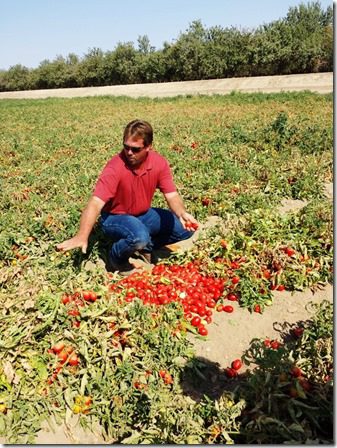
(16, 77)
(91, 68)
(144, 46)
(184, 56)
(309, 25)
(120, 65)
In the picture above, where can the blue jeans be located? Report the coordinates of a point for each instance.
(155, 228)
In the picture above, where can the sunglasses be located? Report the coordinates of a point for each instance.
(134, 149)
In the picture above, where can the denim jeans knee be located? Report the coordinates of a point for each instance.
(127, 233)
(164, 227)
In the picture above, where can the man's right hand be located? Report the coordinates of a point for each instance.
(74, 243)
(87, 221)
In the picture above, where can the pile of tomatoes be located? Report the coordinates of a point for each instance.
(199, 294)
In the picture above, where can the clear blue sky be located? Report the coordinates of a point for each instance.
(34, 30)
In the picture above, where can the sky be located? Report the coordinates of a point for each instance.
(35, 30)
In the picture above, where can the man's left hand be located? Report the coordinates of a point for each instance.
(188, 222)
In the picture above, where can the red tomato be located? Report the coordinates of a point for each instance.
(63, 356)
(236, 364)
(191, 226)
(86, 295)
(266, 342)
(87, 400)
(211, 303)
(195, 321)
(223, 244)
(257, 308)
(266, 274)
(194, 309)
(216, 294)
(138, 385)
(93, 297)
(203, 331)
(57, 348)
(199, 304)
(173, 294)
(233, 297)
(228, 308)
(289, 251)
(205, 202)
(305, 384)
(208, 319)
(73, 360)
(230, 373)
(296, 372)
(73, 312)
(168, 378)
(298, 331)
(202, 312)
(235, 265)
(275, 345)
(235, 280)
(65, 299)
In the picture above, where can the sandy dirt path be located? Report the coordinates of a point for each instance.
(315, 82)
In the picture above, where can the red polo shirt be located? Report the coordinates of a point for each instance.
(130, 191)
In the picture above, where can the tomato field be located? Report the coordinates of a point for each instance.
(116, 353)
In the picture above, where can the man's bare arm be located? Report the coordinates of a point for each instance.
(176, 204)
(87, 222)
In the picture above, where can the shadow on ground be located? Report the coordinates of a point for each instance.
(204, 377)
(281, 406)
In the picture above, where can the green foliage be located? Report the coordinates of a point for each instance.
(296, 44)
(302, 42)
(287, 409)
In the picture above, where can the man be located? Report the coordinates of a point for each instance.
(122, 197)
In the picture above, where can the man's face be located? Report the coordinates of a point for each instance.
(135, 151)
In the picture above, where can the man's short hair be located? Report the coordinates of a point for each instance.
(139, 129)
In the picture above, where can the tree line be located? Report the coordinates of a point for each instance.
(301, 42)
